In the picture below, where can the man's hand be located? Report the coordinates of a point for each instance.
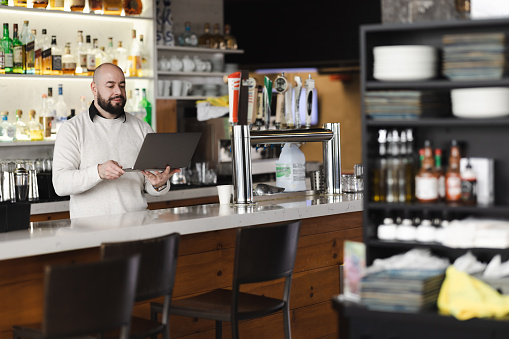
(158, 179)
(110, 170)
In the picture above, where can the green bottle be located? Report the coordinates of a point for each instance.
(4, 2)
(18, 55)
(6, 52)
(148, 107)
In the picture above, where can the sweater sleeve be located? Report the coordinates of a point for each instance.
(68, 177)
(152, 191)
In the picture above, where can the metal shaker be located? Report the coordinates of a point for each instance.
(21, 180)
(33, 186)
(8, 187)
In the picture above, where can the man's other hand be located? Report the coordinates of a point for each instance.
(110, 170)
(158, 179)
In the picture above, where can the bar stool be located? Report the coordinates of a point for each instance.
(158, 263)
(86, 299)
(262, 253)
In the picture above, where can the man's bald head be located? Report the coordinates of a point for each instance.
(106, 68)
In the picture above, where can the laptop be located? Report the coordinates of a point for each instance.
(165, 149)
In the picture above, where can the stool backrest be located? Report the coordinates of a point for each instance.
(265, 253)
(89, 298)
(158, 263)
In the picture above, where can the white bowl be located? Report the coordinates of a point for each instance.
(408, 51)
(475, 103)
(405, 74)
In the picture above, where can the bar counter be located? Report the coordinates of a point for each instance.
(205, 258)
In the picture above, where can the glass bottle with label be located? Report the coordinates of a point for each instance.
(95, 6)
(17, 52)
(81, 56)
(426, 185)
(121, 59)
(229, 40)
(411, 169)
(188, 38)
(110, 50)
(91, 56)
(204, 40)
(100, 57)
(46, 117)
(439, 172)
(468, 185)
(68, 61)
(20, 3)
(393, 166)
(39, 47)
(77, 5)
(380, 168)
(135, 57)
(62, 112)
(452, 176)
(56, 57)
(133, 7)
(218, 39)
(39, 3)
(22, 132)
(27, 39)
(6, 52)
(112, 7)
(56, 5)
(7, 130)
(47, 61)
(34, 128)
(51, 103)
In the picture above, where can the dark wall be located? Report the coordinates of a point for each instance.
(298, 33)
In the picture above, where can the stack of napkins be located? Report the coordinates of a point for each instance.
(406, 104)
(474, 56)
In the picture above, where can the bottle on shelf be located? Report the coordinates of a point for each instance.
(6, 52)
(20, 3)
(218, 38)
(57, 5)
(39, 3)
(51, 103)
(468, 185)
(440, 174)
(452, 176)
(230, 41)
(147, 106)
(81, 55)
(144, 57)
(62, 111)
(56, 57)
(205, 39)
(100, 56)
(135, 57)
(95, 6)
(72, 115)
(402, 169)
(140, 111)
(426, 185)
(121, 59)
(47, 61)
(188, 38)
(110, 50)
(77, 5)
(18, 58)
(27, 39)
(91, 56)
(68, 61)
(380, 168)
(35, 129)
(393, 167)
(84, 106)
(133, 7)
(130, 104)
(112, 7)
(39, 48)
(410, 165)
(46, 117)
(22, 132)
(7, 130)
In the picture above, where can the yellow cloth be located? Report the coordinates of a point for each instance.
(466, 297)
(216, 101)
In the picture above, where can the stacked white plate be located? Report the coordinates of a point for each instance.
(405, 63)
(476, 103)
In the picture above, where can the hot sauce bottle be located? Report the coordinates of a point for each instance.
(426, 182)
(453, 176)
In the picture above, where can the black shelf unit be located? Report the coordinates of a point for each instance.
(478, 138)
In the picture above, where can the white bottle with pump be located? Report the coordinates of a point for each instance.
(291, 169)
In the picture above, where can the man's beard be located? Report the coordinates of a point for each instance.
(106, 105)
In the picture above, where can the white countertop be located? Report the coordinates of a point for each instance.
(65, 235)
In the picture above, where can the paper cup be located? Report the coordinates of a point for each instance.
(225, 193)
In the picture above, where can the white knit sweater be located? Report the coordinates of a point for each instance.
(82, 145)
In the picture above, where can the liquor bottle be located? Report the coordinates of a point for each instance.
(100, 56)
(81, 55)
(121, 59)
(39, 43)
(110, 50)
(188, 38)
(112, 7)
(57, 5)
(411, 168)
(204, 40)
(426, 186)
(393, 166)
(129, 105)
(218, 38)
(91, 52)
(39, 3)
(20, 3)
(77, 5)
(452, 176)
(95, 6)
(230, 41)
(51, 103)
(147, 106)
(22, 133)
(17, 52)
(35, 129)
(46, 117)
(8, 131)
(402, 169)
(61, 110)
(47, 61)
(439, 172)
(27, 38)
(140, 111)
(68, 61)
(6, 52)
(144, 57)
(135, 57)
(133, 7)
(380, 168)
(468, 185)
(56, 57)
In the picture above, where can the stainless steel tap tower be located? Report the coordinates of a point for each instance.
(242, 139)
